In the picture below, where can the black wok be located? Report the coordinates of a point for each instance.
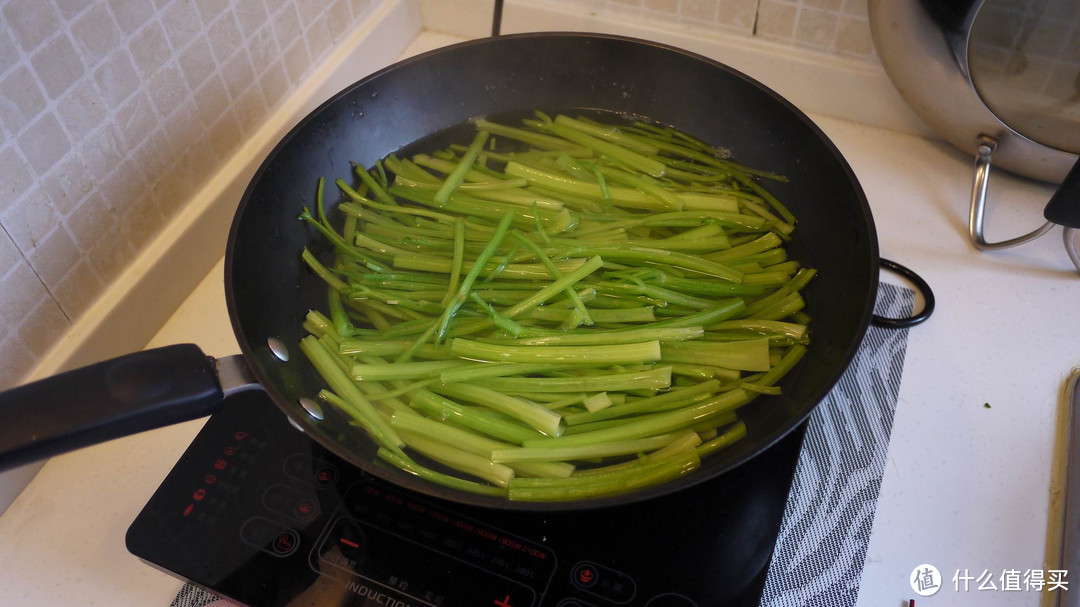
(269, 291)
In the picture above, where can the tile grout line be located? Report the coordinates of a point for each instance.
(48, 291)
(21, 254)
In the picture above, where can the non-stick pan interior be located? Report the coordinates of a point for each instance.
(269, 292)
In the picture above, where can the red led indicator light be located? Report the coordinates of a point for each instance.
(209, 479)
(305, 507)
(199, 495)
(240, 435)
(187, 511)
(586, 575)
(230, 450)
(221, 464)
(284, 542)
(349, 543)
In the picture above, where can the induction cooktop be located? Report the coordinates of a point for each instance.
(260, 514)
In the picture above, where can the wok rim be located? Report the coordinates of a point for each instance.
(431, 490)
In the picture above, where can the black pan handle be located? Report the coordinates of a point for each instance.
(107, 400)
(920, 284)
(1064, 205)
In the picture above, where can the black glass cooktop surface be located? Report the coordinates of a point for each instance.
(260, 514)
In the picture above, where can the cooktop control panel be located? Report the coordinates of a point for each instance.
(260, 514)
(381, 533)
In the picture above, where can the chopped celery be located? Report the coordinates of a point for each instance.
(559, 310)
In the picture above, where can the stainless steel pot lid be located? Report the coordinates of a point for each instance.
(923, 45)
(1024, 61)
(1000, 79)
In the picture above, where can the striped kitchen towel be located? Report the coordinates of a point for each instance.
(819, 555)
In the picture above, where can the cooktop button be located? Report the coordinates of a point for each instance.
(604, 582)
(269, 536)
(291, 502)
(305, 509)
(584, 575)
(311, 470)
(670, 600)
(286, 542)
(325, 476)
(345, 546)
(573, 603)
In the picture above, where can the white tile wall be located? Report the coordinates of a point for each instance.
(834, 26)
(111, 113)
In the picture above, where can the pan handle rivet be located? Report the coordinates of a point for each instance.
(278, 349)
(313, 409)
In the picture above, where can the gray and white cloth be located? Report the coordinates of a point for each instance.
(823, 538)
(193, 596)
(821, 549)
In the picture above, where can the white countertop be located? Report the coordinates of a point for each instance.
(965, 487)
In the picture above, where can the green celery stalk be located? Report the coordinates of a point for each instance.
(728, 437)
(539, 140)
(513, 455)
(459, 256)
(633, 478)
(471, 417)
(655, 379)
(475, 373)
(612, 134)
(454, 179)
(618, 315)
(558, 285)
(644, 405)
(795, 331)
(405, 463)
(657, 256)
(556, 275)
(537, 337)
(625, 155)
(463, 461)
(475, 443)
(403, 370)
(627, 353)
(463, 291)
(650, 425)
(539, 418)
(359, 408)
(747, 355)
